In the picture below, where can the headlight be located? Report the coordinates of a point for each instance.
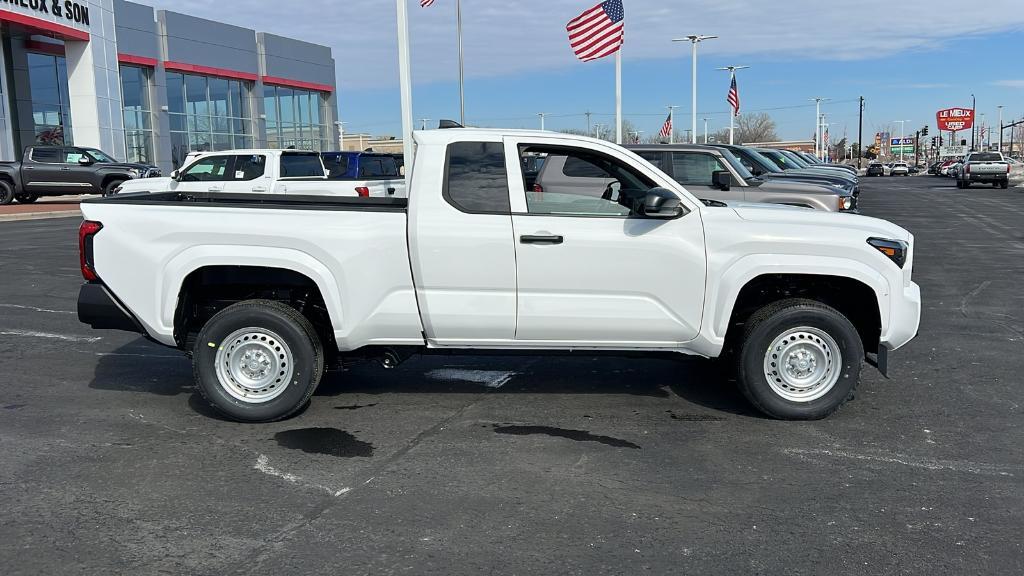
(135, 172)
(895, 250)
(845, 202)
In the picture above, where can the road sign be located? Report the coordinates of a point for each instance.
(904, 142)
(953, 151)
(955, 119)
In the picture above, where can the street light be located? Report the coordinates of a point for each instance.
(902, 122)
(732, 117)
(542, 115)
(817, 125)
(694, 39)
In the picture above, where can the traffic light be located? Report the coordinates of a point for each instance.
(924, 131)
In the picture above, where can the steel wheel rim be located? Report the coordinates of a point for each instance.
(254, 365)
(803, 364)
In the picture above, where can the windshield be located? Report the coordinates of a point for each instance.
(779, 160)
(736, 164)
(758, 159)
(100, 156)
(797, 160)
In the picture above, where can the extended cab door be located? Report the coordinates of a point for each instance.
(298, 166)
(248, 175)
(461, 245)
(592, 271)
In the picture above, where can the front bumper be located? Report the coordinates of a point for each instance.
(99, 308)
(904, 317)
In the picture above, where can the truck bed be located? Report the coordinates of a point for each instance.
(354, 249)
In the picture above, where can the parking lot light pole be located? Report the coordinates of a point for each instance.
(817, 125)
(1000, 107)
(542, 115)
(694, 39)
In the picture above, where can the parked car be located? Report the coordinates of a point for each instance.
(763, 168)
(379, 174)
(985, 168)
(265, 292)
(260, 171)
(933, 168)
(813, 161)
(876, 169)
(899, 169)
(788, 160)
(716, 174)
(61, 170)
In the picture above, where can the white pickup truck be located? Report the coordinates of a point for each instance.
(264, 292)
(292, 172)
(986, 168)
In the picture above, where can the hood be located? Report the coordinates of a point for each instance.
(127, 166)
(795, 217)
(800, 186)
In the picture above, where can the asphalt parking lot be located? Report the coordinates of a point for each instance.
(111, 463)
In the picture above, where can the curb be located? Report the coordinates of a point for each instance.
(40, 215)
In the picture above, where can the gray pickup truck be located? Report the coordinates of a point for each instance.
(716, 174)
(985, 168)
(60, 170)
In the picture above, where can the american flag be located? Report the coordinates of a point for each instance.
(597, 32)
(734, 96)
(666, 128)
(425, 3)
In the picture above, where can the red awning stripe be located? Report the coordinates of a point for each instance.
(210, 71)
(65, 32)
(276, 81)
(138, 60)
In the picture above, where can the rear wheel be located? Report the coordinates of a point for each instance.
(258, 361)
(25, 198)
(799, 360)
(6, 193)
(1004, 184)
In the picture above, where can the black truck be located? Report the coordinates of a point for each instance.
(60, 170)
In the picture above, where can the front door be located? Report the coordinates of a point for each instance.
(591, 270)
(208, 174)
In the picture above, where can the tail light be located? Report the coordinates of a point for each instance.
(538, 188)
(363, 191)
(967, 169)
(1007, 168)
(86, 234)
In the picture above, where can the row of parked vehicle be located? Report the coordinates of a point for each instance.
(976, 168)
(62, 170)
(891, 169)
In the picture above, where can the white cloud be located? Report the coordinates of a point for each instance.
(503, 38)
(1009, 83)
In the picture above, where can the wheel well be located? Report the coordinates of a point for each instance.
(9, 180)
(210, 289)
(852, 298)
(108, 179)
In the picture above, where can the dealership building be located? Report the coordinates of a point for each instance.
(147, 85)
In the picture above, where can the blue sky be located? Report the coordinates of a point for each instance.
(907, 64)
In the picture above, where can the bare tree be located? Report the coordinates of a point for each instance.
(754, 128)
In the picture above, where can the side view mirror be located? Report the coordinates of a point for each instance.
(84, 160)
(722, 180)
(175, 175)
(662, 203)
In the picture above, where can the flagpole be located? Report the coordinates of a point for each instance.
(462, 93)
(405, 84)
(618, 96)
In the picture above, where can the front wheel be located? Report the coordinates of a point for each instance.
(26, 198)
(799, 360)
(111, 187)
(258, 361)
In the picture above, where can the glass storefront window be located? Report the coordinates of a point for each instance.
(207, 113)
(138, 124)
(51, 112)
(294, 119)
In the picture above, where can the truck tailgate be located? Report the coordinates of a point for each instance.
(357, 255)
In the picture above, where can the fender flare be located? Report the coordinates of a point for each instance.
(188, 261)
(721, 297)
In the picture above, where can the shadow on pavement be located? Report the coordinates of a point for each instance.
(141, 366)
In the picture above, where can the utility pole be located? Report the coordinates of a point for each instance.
(917, 147)
(694, 39)
(902, 124)
(587, 114)
(706, 131)
(860, 134)
(974, 119)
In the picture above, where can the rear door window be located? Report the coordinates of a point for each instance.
(301, 166)
(695, 168)
(48, 155)
(378, 167)
(249, 167)
(475, 178)
(337, 164)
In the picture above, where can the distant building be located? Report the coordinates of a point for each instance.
(360, 142)
(149, 85)
(800, 145)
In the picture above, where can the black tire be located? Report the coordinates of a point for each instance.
(772, 322)
(108, 190)
(1004, 184)
(6, 193)
(293, 330)
(26, 198)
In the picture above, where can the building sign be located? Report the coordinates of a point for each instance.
(955, 119)
(66, 9)
(953, 151)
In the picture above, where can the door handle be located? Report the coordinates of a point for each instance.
(259, 189)
(391, 191)
(541, 239)
(215, 189)
(65, 169)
